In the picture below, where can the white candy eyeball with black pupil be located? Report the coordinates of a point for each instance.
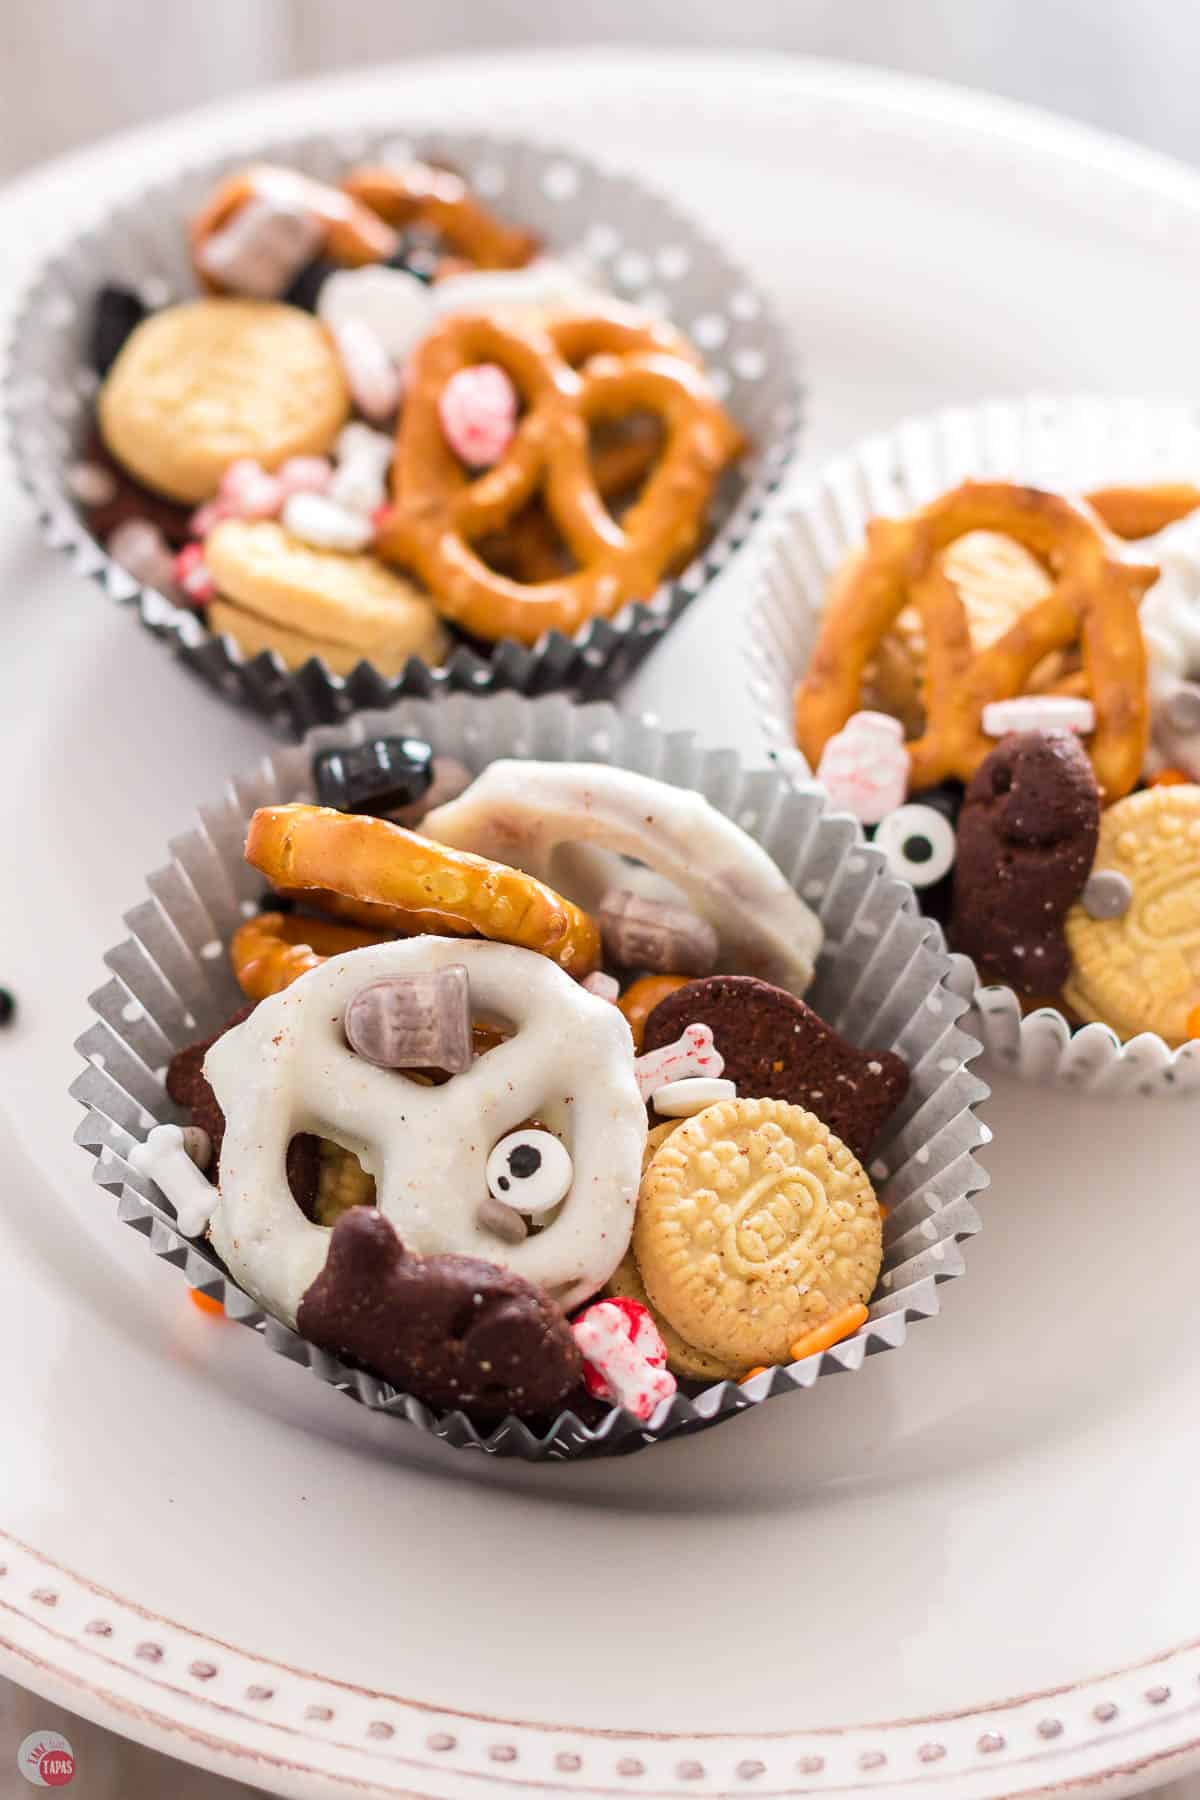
(918, 842)
(531, 1171)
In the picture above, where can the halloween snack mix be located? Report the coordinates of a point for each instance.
(1006, 691)
(388, 418)
(525, 1109)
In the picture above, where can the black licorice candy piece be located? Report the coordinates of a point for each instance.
(377, 777)
(308, 282)
(117, 312)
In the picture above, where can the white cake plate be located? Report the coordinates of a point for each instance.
(918, 1580)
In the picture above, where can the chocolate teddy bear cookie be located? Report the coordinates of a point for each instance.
(1027, 838)
(777, 1048)
(453, 1330)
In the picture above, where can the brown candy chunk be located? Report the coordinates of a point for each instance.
(1027, 837)
(187, 1086)
(452, 1330)
(420, 1021)
(130, 500)
(639, 933)
(777, 1048)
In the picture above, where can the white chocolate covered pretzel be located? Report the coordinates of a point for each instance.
(288, 1069)
(551, 819)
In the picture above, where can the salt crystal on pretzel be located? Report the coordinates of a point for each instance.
(624, 1356)
(694, 1053)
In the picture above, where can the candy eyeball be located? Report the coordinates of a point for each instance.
(530, 1171)
(918, 843)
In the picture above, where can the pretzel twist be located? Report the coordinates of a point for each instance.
(271, 950)
(362, 217)
(571, 372)
(1094, 601)
(1138, 512)
(420, 195)
(396, 878)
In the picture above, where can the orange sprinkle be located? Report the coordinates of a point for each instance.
(823, 1337)
(751, 1373)
(1171, 778)
(1193, 1023)
(884, 1209)
(206, 1303)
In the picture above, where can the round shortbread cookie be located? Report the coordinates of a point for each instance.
(297, 592)
(754, 1225)
(1141, 971)
(625, 1283)
(199, 385)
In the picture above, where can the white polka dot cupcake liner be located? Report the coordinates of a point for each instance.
(631, 240)
(1069, 444)
(882, 979)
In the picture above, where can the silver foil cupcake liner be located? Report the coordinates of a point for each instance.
(1070, 444)
(634, 241)
(881, 979)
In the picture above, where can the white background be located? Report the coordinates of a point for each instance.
(72, 70)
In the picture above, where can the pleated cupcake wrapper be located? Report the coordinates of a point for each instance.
(1069, 444)
(634, 241)
(881, 979)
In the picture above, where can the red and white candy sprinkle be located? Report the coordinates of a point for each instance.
(478, 412)
(305, 475)
(624, 1356)
(192, 575)
(372, 376)
(143, 552)
(694, 1053)
(1039, 712)
(865, 767)
(317, 520)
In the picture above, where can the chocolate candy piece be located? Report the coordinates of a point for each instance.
(117, 312)
(377, 777)
(128, 500)
(187, 1087)
(1181, 709)
(420, 1021)
(452, 1330)
(1107, 894)
(450, 779)
(8, 1007)
(1026, 842)
(261, 250)
(777, 1048)
(305, 290)
(652, 934)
